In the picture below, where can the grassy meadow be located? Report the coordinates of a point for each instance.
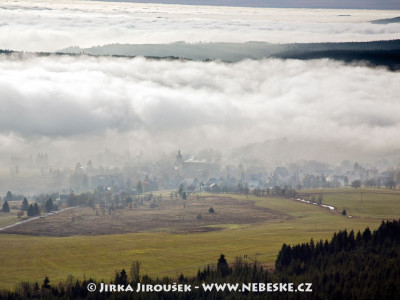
(9, 218)
(31, 258)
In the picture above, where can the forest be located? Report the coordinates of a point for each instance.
(375, 53)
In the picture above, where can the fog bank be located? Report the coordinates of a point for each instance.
(72, 106)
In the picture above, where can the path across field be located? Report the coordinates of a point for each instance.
(35, 218)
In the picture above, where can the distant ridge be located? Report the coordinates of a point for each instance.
(375, 53)
(386, 21)
(385, 53)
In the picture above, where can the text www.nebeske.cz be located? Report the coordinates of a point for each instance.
(207, 287)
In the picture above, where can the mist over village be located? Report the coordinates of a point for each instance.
(206, 170)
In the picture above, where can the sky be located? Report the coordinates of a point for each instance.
(74, 106)
(54, 25)
(352, 4)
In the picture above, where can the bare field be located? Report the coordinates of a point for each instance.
(168, 215)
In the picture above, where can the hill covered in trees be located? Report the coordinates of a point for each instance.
(351, 266)
(383, 53)
(362, 265)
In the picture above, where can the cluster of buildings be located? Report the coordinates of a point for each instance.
(208, 173)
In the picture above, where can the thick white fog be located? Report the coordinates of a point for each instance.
(69, 105)
(54, 25)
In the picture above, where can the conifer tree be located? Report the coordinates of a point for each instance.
(222, 266)
(9, 196)
(49, 205)
(25, 205)
(30, 212)
(36, 210)
(139, 187)
(46, 282)
(6, 207)
(181, 190)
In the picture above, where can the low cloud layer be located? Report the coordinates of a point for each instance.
(51, 26)
(71, 106)
(78, 105)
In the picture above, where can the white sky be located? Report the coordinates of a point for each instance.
(352, 4)
(53, 25)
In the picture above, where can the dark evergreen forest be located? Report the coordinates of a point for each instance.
(351, 266)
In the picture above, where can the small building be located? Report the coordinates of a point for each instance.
(63, 198)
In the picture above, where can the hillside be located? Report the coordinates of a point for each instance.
(386, 53)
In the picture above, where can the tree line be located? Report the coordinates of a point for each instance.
(32, 209)
(362, 265)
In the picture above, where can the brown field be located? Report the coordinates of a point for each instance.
(168, 215)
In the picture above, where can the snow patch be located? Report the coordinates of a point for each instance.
(309, 202)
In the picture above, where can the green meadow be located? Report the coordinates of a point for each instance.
(8, 218)
(31, 258)
(364, 202)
